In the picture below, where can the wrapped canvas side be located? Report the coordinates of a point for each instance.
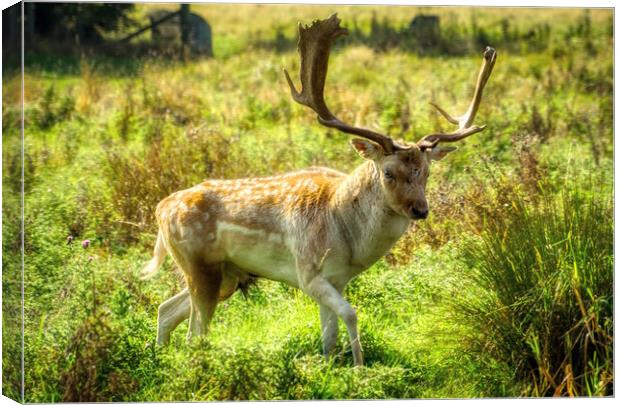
(12, 204)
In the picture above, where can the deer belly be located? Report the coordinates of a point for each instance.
(258, 252)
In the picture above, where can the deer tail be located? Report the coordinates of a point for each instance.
(159, 254)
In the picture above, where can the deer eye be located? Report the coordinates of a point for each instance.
(388, 174)
(416, 172)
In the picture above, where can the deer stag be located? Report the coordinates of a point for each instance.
(313, 229)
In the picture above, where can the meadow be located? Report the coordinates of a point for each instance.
(505, 290)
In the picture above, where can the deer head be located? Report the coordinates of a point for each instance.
(402, 167)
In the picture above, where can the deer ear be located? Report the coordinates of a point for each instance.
(438, 153)
(368, 149)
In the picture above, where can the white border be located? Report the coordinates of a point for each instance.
(461, 3)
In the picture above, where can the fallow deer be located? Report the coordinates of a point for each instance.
(312, 229)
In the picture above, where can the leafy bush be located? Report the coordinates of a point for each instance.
(139, 181)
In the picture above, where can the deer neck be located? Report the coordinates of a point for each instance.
(362, 216)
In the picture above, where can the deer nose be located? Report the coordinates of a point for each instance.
(419, 213)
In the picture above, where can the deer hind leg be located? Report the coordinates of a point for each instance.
(175, 310)
(323, 292)
(329, 330)
(170, 314)
(204, 287)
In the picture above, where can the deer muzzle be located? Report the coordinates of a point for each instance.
(418, 212)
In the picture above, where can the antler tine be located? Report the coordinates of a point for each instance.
(314, 46)
(466, 120)
(447, 116)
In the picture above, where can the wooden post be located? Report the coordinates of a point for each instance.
(184, 22)
(150, 26)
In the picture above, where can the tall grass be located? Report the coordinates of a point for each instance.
(541, 288)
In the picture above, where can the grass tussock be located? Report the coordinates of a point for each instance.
(540, 288)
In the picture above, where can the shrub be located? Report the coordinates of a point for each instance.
(84, 378)
(51, 109)
(139, 181)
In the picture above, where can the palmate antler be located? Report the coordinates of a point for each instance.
(466, 120)
(314, 47)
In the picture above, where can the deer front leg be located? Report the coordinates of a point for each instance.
(170, 314)
(329, 330)
(323, 292)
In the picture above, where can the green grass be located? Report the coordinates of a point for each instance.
(460, 308)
